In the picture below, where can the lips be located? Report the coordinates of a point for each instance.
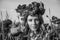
(34, 26)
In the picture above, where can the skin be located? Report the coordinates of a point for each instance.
(33, 22)
(21, 19)
(22, 22)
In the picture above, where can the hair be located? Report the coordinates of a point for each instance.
(34, 13)
(34, 10)
(20, 9)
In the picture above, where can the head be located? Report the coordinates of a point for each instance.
(21, 20)
(20, 9)
(22, 17)
(33, 17)
(33, 20)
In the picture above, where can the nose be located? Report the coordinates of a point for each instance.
(33, 22)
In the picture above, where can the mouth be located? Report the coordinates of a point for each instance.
(34, 26)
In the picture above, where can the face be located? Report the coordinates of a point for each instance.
(33, 22)
(21, 19)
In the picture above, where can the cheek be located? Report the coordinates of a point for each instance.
(37, 22)
(29, 23)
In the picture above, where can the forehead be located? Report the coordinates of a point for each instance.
(32, 17)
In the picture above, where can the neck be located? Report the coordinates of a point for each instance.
(34, 31)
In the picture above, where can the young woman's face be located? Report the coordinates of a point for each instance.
(22, 20)
(33, 22)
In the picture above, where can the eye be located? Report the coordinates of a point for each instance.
(30, 19)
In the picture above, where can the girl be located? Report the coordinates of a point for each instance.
(34, 21)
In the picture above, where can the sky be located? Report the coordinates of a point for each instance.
(11, 5)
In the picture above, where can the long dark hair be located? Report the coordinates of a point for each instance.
(33, 14)
(33, 9)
